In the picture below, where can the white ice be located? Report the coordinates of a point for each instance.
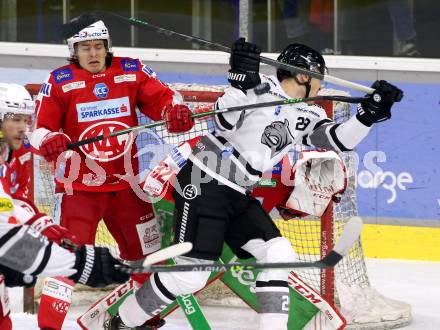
(417, 283)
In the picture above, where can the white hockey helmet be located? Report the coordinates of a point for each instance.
(15, 99)
(94, 30)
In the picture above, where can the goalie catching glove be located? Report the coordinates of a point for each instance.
(319, 175)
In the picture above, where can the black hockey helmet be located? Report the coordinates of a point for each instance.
(302, 56)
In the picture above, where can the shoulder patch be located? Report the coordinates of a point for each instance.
(148, 71)
(61, 75)
(45, 89)
(129, 64)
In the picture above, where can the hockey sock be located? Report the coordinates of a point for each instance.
(273, 297)
(146, 303)
(56, 297)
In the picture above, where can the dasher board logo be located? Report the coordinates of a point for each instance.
(108, 109)
(101, 90)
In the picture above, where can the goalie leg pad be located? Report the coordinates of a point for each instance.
(100, 311)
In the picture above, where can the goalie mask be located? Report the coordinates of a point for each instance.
(304, 57)
(83, 28)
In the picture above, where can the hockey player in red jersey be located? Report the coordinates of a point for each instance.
(25, 253)
(97, 93)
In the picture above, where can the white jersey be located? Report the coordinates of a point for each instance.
(246, 144)
(21, 247)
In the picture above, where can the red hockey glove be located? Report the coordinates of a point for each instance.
(178, 118)
(55, 233)
(53, 145)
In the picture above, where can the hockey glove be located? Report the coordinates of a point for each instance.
(14, 278)
(177, 118)
(53, 145)
(377, 107)
(245, 65)
(96, 267)
(55, 233)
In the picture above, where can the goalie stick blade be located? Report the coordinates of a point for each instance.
(167, 253)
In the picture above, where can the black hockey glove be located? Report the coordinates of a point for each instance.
(377, 107)
(245, 65)
(14, 278)
(96, 267)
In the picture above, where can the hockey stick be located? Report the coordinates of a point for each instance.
(217, 111)
(167, 253)
(348, 237)
(220, 47)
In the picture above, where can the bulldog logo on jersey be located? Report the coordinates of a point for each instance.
(106, 149)
(277, 136)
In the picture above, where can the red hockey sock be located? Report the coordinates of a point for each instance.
(56, 297)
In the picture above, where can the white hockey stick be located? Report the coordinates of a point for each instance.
(348, 237)
(167, 253)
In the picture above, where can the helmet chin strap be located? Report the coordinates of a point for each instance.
(307, 85)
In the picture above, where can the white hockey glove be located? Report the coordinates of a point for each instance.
(156, 182)
(319, 175)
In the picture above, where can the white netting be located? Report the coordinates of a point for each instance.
(361, 304)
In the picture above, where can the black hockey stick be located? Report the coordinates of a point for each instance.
(217, 111)
(220, 47)
(349, 236)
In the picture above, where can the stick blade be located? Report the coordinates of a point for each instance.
(349, 235)
(167, 253)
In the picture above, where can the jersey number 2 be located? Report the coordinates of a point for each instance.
(302, 123)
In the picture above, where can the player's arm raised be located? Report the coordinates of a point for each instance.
(344, 137)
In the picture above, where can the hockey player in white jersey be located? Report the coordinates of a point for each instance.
(29, 240)
(213, 204)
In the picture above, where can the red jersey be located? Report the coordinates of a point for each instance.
(20, 172)
(82, 105)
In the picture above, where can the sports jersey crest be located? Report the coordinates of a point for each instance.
(277, 136)
(107, 149)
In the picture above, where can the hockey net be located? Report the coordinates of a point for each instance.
(347, 286)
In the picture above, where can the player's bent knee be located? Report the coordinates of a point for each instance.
(181, 283)
(280, 249)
